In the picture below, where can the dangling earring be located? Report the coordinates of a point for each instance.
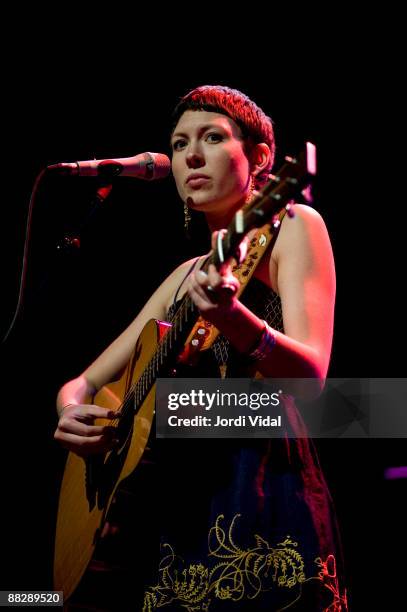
(252, 188)
(187, 218)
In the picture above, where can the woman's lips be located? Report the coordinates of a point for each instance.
(197, 182)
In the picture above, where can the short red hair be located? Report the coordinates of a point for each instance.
(254, 124)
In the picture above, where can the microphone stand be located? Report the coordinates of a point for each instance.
(68, 245)
(72, 242)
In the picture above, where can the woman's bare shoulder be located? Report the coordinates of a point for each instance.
(306, 228)
(305, 216)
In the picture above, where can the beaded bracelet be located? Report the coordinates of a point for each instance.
(267, 342)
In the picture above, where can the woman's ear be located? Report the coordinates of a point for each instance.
(259, 158)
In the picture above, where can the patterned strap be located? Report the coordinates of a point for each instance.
(204, 334)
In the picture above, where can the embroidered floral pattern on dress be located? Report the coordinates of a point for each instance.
(238, 575)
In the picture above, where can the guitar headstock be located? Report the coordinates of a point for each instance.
(294, 176)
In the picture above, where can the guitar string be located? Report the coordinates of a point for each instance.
(139, 390)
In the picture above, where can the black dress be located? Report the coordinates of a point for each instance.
(244, 525)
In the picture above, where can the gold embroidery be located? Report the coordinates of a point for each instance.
(239, 574)
(246, 573)
(189, 588)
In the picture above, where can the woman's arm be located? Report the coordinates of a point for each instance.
(306, 285)
(76, 430)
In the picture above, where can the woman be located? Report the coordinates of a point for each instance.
(253, 529)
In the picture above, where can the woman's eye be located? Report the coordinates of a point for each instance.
(178, 144)
(214, 137)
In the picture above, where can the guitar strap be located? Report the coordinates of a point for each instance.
(203, 333)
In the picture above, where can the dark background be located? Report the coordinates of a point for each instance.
(62, 104)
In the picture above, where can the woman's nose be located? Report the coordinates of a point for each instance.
(194, 157)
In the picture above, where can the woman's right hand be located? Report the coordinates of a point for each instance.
(76, 430)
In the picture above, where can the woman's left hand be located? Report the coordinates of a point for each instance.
(213, 293)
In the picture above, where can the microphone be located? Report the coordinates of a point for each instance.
(146, 166)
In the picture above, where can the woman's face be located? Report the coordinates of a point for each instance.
(209, 165)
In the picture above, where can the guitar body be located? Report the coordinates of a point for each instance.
(89, 485)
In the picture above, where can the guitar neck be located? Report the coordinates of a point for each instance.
(163, 360)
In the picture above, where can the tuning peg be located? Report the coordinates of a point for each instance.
(307, 194)
(257, 212)
(292, 180)
(276, 222)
